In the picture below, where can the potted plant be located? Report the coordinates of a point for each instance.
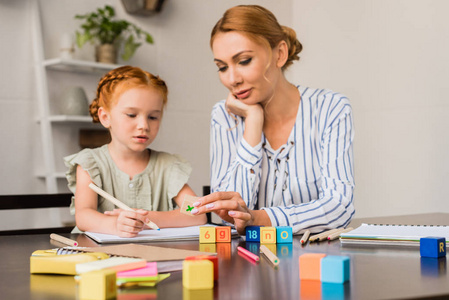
(108, 34)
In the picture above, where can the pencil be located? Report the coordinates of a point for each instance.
(305, 237)
(322, 236)
(270, 255)
(118, 203)
(248, 253)
(63, 240)
(336, 235)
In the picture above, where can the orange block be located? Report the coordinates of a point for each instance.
(310, 266)
(207, 234)
(268, 235)
(223, 234)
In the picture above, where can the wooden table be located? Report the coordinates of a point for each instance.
(376, 272)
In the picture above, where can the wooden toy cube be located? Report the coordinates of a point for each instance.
(207, 234)
(212, 258)
(253, 233)
(223, 234)
(198, 274)
(268, 235)
(335, 269)
(187, 205)
(432, 246)
(310, 266)
(99, 284)
(284, 234)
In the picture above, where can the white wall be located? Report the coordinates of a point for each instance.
(391, 59)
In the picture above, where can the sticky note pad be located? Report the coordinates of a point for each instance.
(187, 205)
(432, 246)
(149, 272)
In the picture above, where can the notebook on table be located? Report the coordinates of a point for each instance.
(398, 235)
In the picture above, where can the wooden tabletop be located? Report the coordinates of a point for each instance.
(376, 272)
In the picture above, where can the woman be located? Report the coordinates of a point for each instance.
(281, 155)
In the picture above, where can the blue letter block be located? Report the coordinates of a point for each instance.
(335, 269)
(432, 246)
(284, 234)
(253, 233)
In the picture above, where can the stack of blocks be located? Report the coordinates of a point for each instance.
(434, 247)
(325, 268)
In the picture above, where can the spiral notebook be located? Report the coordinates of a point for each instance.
(398, 235)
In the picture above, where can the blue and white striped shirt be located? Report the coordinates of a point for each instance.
(307, 183)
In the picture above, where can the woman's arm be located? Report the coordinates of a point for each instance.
(123, 223)
(235, 164)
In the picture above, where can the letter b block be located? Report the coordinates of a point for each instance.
(284, 235)
(335, 269)
(268, 235)
(310, 266)
(432, 246)
(253, 233)
(198, 274)
(207, 234)
(223, 234)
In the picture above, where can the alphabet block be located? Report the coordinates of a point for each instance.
(310, 266)
(198, 274)
(268, 235)
(207, 234)
(253, 233)
(432, 246)
(284, 235)
(335, 269)
(99, 284)
(223, 234)
(212, 258)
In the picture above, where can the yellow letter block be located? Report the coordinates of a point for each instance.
(207, 234)
(268, 235)
(99, 284)
(198, 274)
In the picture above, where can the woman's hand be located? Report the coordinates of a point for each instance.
(227, 205)
(129, 223)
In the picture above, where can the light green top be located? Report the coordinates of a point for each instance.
(153, 189)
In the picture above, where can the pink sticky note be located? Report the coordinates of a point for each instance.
(148, 271)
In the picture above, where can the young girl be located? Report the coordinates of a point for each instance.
(129, 103)
(281, 154)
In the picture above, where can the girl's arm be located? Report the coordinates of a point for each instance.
(174, 218)
(124, 224)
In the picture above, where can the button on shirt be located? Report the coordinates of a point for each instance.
(307, 183)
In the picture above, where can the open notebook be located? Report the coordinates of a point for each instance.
(165, 234)
(400, 235)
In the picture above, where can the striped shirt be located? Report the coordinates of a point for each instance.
(307, 183)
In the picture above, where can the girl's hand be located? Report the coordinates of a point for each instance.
(227, 205)
(129, 223)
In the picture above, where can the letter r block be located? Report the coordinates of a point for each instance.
(223, 234)
(432, 246)
(335, 269)
(253, 233)
(284, 235)
(310, 266)
(207, 235)
(268, 235)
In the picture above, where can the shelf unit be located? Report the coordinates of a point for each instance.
(45, 119)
